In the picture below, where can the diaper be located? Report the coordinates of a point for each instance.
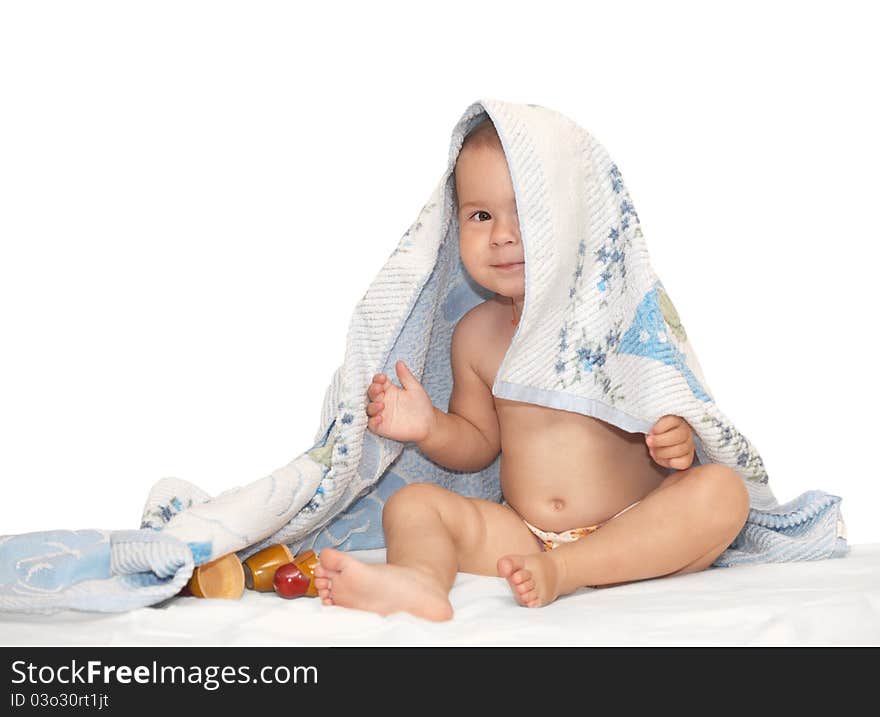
(550, 540)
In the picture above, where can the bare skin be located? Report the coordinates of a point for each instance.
(559, 469)
(354, 584)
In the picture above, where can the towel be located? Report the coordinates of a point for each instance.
(598, 335)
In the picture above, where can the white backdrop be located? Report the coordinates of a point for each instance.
(195, 195)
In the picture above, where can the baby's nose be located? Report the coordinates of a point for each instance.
(508, 239)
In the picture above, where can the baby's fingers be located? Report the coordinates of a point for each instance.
(680, 464)
(676, 451)
(379, 384)
(669, 438)
(375, 408)
(665, 423)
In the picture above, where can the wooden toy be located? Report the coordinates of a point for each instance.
(298, 577)
(271, 569)
(221, 578)
(259, 568)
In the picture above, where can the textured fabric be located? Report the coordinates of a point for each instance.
(106, 571)
(598, 335)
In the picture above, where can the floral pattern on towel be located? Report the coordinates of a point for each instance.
(157, 516)
(654, 331)
(612, 253)
(588, 360)
(580, 356)
(748, 460)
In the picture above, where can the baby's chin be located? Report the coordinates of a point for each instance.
(511, 288)
(507, 295)
(504, 288)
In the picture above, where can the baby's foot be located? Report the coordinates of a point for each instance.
(534, 579)
(343, 580)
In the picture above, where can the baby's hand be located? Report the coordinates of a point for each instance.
(671, 443)
(403, 414)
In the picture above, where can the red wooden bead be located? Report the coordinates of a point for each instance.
(290, 581)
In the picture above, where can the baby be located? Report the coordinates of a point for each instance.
(586, 503)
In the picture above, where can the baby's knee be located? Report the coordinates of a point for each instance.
(726, 494)
(412, 498)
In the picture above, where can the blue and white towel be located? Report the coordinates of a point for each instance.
(611, 345)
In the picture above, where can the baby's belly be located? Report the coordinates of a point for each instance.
(562, 470)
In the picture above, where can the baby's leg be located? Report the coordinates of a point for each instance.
(681, 526)
(431, 534)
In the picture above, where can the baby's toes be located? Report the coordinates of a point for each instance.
(528, 598)
(520, 577)
(322, 571)
(526, 587)
(323, 586)
(531, 597)
(321, 583)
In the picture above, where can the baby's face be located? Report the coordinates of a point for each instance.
(489, 235)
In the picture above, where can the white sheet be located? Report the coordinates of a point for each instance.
(827, 602)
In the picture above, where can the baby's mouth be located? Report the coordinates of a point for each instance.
(509, 267)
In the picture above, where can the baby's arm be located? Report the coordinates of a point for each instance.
(468, 437)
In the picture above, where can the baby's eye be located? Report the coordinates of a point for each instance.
(480, 211)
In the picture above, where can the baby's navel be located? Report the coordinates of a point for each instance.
(557, 504)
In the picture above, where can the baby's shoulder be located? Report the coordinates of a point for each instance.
(474, 332)
(475, 320)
